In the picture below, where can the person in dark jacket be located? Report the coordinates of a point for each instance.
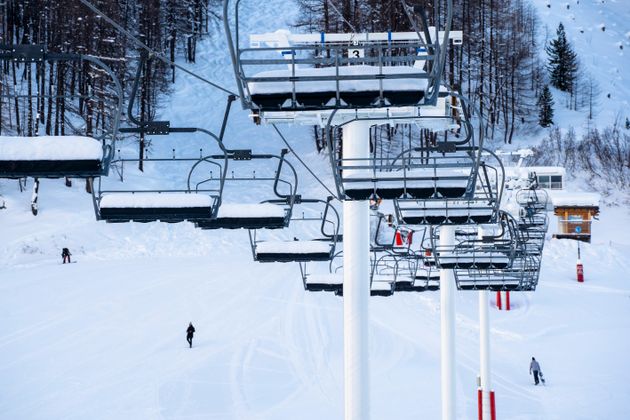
(65, 254)
(535, 367)
(189, 334)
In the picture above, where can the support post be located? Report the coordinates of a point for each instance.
(356, 283)
(507, 300)
(447, 319)
(484, 351)
(499, 300)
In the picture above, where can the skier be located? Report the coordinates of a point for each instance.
(65, 254)
(189, 334)
(535, 367)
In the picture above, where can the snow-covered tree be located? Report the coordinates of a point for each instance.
(563, 63)
(545, 108)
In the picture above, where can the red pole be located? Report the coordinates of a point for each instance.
(499, 300)
(507, 300)
(479, 403)
(493, 411)
(580, 272)
(398, 238)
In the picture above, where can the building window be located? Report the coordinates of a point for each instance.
(553, 182)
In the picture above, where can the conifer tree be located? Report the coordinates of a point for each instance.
(545, 108)
(563, 64)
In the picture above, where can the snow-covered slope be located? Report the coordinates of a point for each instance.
(105, 338)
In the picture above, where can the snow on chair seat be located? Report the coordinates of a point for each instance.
(293, 251)
(248, 216)
(50, 156)
(324, 282)
(155, 206)
(317, 88)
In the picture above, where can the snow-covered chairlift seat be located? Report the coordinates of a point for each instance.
(382, 286)
(332, 282)
(50, 157)
(81, 153)
(294, 251)
(248, 216)
(144, 206)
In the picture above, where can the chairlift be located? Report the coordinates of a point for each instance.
(319, 245)
(495, 251)
(85, 147)
(255, 171)
(281, 71)
(173, 205)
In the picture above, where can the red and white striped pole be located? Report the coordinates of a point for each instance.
(580, 267)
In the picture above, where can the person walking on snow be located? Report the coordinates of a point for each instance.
(65, 254)
(189, 334)
(535, 367)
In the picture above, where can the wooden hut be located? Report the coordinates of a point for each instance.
(575, 213)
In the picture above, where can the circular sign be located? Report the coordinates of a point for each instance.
(578, 229)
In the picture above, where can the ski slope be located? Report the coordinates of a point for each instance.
(105, 338)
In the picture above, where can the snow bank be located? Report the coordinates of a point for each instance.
(293, 247)
(412, 83)
(50, 148)
(262, 210)
(155, 200)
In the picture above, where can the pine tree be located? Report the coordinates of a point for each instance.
(545, 108)
(563, 63)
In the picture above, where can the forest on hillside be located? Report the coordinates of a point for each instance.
(169, 27)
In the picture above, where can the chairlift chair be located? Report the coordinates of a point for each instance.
(281, 71)
(164, 205)
(86, 145)
(273, 213)
(282, 248)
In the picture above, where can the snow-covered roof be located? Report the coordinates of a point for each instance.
(293, 247)
(262, 210)
(50, 148)
(403, 84)
(574, 199)
(155, 200)
(524, 171)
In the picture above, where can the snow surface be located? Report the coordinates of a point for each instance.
(105, 338)
(403, 84)
(155, 200)
(50, 148)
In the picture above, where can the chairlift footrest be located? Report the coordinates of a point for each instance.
(245, 154)
(25, 53)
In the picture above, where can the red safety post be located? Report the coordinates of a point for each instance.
(580, 272)
(410, 237)
(398, 239)
(493, 410)
(479, 403)
(499, 300)
(507, 300)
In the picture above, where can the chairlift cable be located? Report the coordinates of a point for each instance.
(153, 52)
(302, 161)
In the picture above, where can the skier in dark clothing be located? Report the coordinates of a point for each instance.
(65, 254)
(535, 367)
(189, 334)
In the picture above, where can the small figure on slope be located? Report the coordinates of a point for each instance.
(65, 254)
(189, 334)
(535, 367)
